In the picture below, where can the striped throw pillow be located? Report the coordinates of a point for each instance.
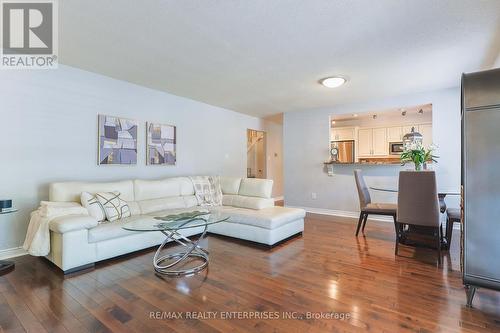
(114, 207)
(93, 206)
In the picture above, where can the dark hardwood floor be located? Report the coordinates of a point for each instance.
(326, 270)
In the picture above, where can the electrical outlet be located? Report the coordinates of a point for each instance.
(314, 195)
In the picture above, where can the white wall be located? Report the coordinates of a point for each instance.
(48, 132)
(306, 147)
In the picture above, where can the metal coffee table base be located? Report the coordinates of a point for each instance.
(191, 251)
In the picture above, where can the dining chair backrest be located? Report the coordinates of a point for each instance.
(418, 202)
(363, 193)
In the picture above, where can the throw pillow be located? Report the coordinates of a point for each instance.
(207, 190)
(217, 190)
(93, 205)
(114, 207)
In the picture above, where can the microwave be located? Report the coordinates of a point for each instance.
(396, 148)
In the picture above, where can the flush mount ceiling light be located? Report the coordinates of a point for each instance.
(333, 82)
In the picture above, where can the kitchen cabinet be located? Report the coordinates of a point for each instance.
(380, 147)
(372, 142)
(426, 131)
(365, 141)
(342, 134)
(394, 134)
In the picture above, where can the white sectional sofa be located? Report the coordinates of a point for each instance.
(78, 241)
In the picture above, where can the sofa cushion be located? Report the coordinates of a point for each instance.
(252, 187)
(154, 205)
(71, 191)
(111, 230)
(169, 187)
(230, 185)
(67, 223)
(134, 207)
(190, 201)
(246, 202)
(267, 218)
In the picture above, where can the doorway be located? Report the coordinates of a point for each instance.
(256, 154)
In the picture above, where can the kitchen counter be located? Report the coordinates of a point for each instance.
(364, 163)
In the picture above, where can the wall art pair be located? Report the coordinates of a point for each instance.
(118, 142)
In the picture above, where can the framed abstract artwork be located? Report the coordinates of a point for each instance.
(117, 140)
(161, 143)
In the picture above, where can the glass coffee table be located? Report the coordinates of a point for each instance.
(171, 225)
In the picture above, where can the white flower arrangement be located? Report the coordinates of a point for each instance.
(415, 152)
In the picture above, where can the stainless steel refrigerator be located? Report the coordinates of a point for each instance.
(481, 181)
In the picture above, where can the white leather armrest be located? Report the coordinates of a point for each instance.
(67, 223)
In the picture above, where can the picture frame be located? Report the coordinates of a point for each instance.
(161, 144)
(117, 140)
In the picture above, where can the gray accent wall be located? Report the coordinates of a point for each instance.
(48, 132)
(306, 138)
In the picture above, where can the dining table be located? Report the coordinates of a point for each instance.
(442, 193)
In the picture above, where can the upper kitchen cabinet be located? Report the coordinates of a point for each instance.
(426, 131)
(380, 145)
(372, 142)
(365, 142)
(342, 134)
(394, 134)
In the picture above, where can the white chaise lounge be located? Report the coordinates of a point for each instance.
(78, 241)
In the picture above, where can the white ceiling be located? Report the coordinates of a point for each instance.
(264, 57)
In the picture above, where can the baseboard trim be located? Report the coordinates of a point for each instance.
(11, 253)
(342, 213)
(355, 215)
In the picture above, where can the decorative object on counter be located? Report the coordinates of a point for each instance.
(334, 152)
(412, 137)
(6, 208)
(416, 153)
